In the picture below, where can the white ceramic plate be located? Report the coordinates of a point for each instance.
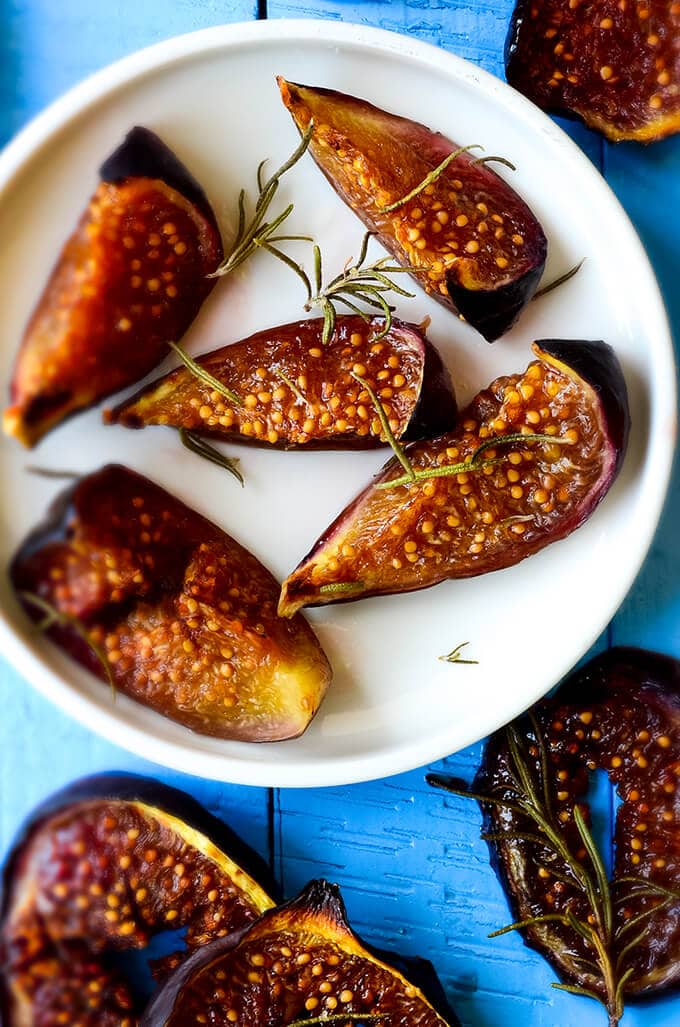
(392, 705)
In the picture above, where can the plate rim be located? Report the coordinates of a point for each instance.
(41, 131)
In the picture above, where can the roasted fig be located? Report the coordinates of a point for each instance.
(182, 618)
(532, 457)
(475, 244)
(615, 65)
(620, 713)
(132, 276)
(296, 392)
(103, 866)
(298, 960)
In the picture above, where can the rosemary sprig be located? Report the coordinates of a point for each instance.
(357, 283)
(259, 233)
(195, 444)
(69, 620)
(433, 175)
(470, 465)
(529, 788)
(545, 289)
(340, 1018)
(455, 656)
(203, 375)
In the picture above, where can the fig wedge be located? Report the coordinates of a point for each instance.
(277, 972)
(296, 392)
(475, 243)
(470, 511)
(132, 276)
(103, 866)
(615, 65)
(620, 713)
(183, 619)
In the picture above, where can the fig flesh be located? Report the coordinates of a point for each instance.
(184, 616)
(298, 961)
(296, 392)
(620, 713)
(475, 244)
(522, 496)
(615, 65)
(132, 276)
(102, 867)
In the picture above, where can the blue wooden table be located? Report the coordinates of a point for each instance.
(413, 871)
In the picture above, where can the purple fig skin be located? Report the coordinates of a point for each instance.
(43, 839)
(485, 274)
(331, 411)
(319, 915)
(589, 377)
(143, 154)
(622, 702)
(151, 578)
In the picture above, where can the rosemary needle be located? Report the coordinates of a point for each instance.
(195, 444)
(69, 620)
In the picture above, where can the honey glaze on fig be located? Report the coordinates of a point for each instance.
(101, 867)
(621, 714)
(132, 276)
(520, 498)
(185, 616)
(296, 392)
(616, 65)
(473, 243)
(299, 961)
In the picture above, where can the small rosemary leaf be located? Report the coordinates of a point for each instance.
(498, 160)
(341, 587)
(50, 472)
(69, 620)
(195, 444)
(385, 424)
(430, 178)
(529, 922)
(358, 1018)
(451, 785)
(291, 385)
(598, 865)
(203, 375)
(289, 262)
(574, 990)
(455, 655)
(544, 290)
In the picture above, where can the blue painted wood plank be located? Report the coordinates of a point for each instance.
(48, 46)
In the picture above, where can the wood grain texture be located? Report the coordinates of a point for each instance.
(414, 873)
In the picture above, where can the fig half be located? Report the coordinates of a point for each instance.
(615, 65)
(183, 618)
(103, 866)
(296, 392)
(132, 276)
(530, 460)
(473, 242)
(298, 961)
(620, 713)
